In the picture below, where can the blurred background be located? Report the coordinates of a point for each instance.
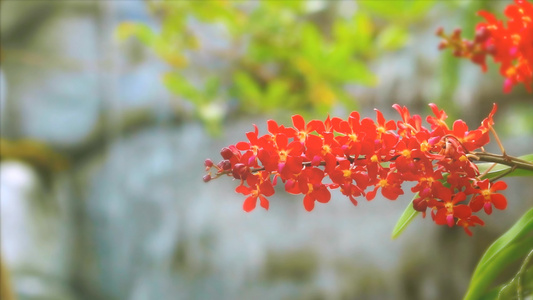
(109, 108)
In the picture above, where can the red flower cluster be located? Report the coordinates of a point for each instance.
(361, 157)
(511, 46)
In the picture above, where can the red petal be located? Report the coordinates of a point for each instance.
(371, 195)
(459, 128)
(467, 230)
(249, 204)
(267, 189)
(476, 220)
(309, 203)
(477, 203)
(322, 194)
(440, 217)
(281, 141)
(316, 125)
(298, 122)
(291, 187)
(243, 146)
(484, 184)
(272, 126)
(263, 202)
(243, 190)
(462, 211)
(314, 143)
(380, 119)
(354, 202)
(499, 201)
(498, 186)
(391, 193)
(295, 148)
(488, 16)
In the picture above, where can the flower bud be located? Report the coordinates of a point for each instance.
(469, 45)
(456, 33)
(443, 45)
(240, 171)
(491, 49)
(224, 165)
(439, 31)
(482, 34)
(207, 178)
(226, 153)
(420, 204)
(208, 163)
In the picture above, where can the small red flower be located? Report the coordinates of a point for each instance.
(448, 209)
(390, 187)
(488, 197)
(360, 157)
(258, 188)
(313, 188)
(470, 221)
(509, 43)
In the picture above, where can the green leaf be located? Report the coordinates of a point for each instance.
(520, 284)
(500, 169)
(142, 32)
(249, 90)
(276, 94)
(312, 43)
(177, 84)
(407, 217)
(515, 243)
(362, 28)
(397, 10)
(392, 38)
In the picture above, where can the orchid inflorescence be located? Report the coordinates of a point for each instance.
(510, 45)
(362, 156)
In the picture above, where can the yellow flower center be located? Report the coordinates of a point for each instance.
(449, 207)
(383, 183)
(302, 135)
(424, 146)
(282, 156)
(516, 39)
(353, 137)
(510, 72)
(486, 194)
(326, 149)
(254, 149)
(347, 173)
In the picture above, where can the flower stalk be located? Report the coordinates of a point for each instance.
(362, 157)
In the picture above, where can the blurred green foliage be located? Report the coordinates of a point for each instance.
(295, 56)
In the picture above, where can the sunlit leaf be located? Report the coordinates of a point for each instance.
(140, 31)
(248, 89)
(177, 84)
(514, 244)
(397, 10)
(392, 38)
